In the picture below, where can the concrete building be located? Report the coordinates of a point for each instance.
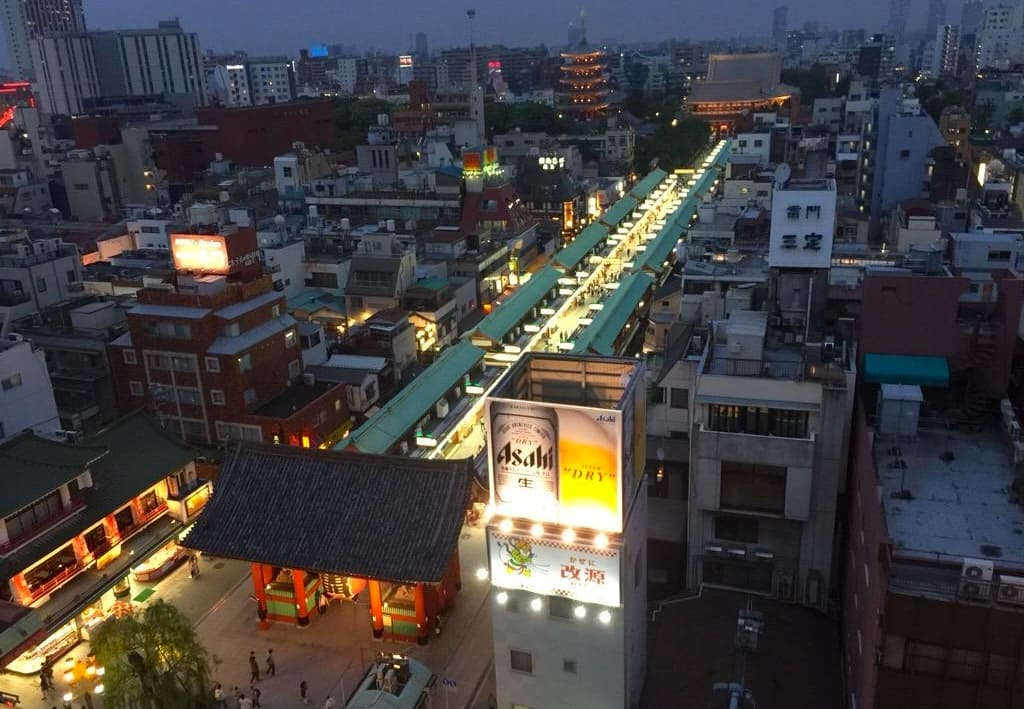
(74, 69)
(574, 635)
(26, 395)
(899, 10)
(1000, 39)
(946, 51)
(93, 184)
(770, 420)
(780, 22)
(937, 13)
(271, 80)
(25, 20)
(36, 273)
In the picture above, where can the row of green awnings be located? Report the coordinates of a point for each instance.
(517, 306)
(614, 215)
(906, 369)
(600, 335)
(645, 186)
(393, 421)
(653, 257)
(586, 241)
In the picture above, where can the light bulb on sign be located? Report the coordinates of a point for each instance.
(601, 540)
(502, 598)
(536, 604)
(505, 526)
(537, 529)
(580, 612)
(481, 574)
(568, 536)
(605, 617)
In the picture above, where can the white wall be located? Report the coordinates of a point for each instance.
(26, 395)
(290, 258)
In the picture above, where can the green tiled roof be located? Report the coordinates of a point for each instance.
(517, 306)
(658, 249)
(600, 335)
(643, 188)
(397, 417)
(32, 467)
(585, 241)
(140, 455)
(618, 211)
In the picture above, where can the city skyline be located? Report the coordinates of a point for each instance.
(305, 22)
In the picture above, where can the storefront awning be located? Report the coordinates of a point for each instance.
(906, 369)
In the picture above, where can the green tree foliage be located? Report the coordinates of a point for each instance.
(937, 95)
(814, 82)
(174, 671)
(352, 116)
(673, 146)
(527, 117)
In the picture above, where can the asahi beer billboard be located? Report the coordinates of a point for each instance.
(556, 463)
(549, 568)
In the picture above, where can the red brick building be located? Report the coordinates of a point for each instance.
(253, 136)
(214, 352)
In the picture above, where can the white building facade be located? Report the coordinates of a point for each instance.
(24, 20)
(26, 394)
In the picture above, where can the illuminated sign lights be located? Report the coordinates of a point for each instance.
(199, 253)
(552, 568)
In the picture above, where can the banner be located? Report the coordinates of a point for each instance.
(556, 463)
(582, 573)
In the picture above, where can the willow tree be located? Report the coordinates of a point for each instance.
(153, 660)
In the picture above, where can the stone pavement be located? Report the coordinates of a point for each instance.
(331, 654)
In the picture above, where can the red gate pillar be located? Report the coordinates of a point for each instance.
(376, 608)
(422, 622)
(299, 581)
(259, 585)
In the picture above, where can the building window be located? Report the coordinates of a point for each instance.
(238, 432)
(135, 388)
(41, 285)
(736, 529)
(183, 364)
(245, 363)
(249, 397)
(680, 398)
(290, 340)
(159, 362)
(559, 607)
(275, 310)
(212, 364)
(129, 357)
(217, 397)
(904, 154)
(521, 661)
(287, 171)
(188, 396)
(656, 395)
(757, 420)
(294, 369)
(569, 666)
(168, 330)
(11, 382)
(30, 518)
(755, 487)
(925, 658)
(998, 255)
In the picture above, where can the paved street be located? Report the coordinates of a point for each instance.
(331, 654)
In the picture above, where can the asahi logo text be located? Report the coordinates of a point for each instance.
(529, 456)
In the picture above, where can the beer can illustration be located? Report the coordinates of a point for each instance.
(524, 453)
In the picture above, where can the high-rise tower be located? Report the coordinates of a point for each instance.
(27, 19)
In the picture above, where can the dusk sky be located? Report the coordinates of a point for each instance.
(272, 26)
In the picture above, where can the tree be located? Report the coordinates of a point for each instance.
(674, 145)
(153, 661)
(528, 117)
(813, 83)
(352, 117)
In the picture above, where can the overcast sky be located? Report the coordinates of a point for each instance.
(273, 26)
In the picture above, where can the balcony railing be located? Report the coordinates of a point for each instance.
(35, 530)
(755, 368)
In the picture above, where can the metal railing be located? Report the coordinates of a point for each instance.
(755, 368)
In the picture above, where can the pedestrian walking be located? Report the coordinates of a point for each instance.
(271, 665)
(255, 696)
(219, 700)
(329, 702)
(303, 692)
(237, 694)
(44, 685)
(323, 601)
(244, 702)
(254, 668)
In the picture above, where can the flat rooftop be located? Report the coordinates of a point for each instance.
(294, 400)
(959, 499)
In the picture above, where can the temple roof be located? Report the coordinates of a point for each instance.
(384, 517)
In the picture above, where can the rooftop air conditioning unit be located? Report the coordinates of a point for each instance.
(309, 379)
(978, 569)
(403, 447)
(442, 408)
(975, 590)
(1011, 590)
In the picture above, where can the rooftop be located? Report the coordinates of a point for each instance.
(389, 518)
(959, 502)
(294, 399)
(33, 467)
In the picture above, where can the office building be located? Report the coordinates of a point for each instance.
(567, 541)
(36, 273)
(25, 20)
(899, 10)
(946, 50)
(971, 14)
(422, 48)
(72, 69)
(937, 11)
(769, 418)
(1000, 38)
(780, 20)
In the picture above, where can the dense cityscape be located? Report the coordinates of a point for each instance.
(590, 374)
